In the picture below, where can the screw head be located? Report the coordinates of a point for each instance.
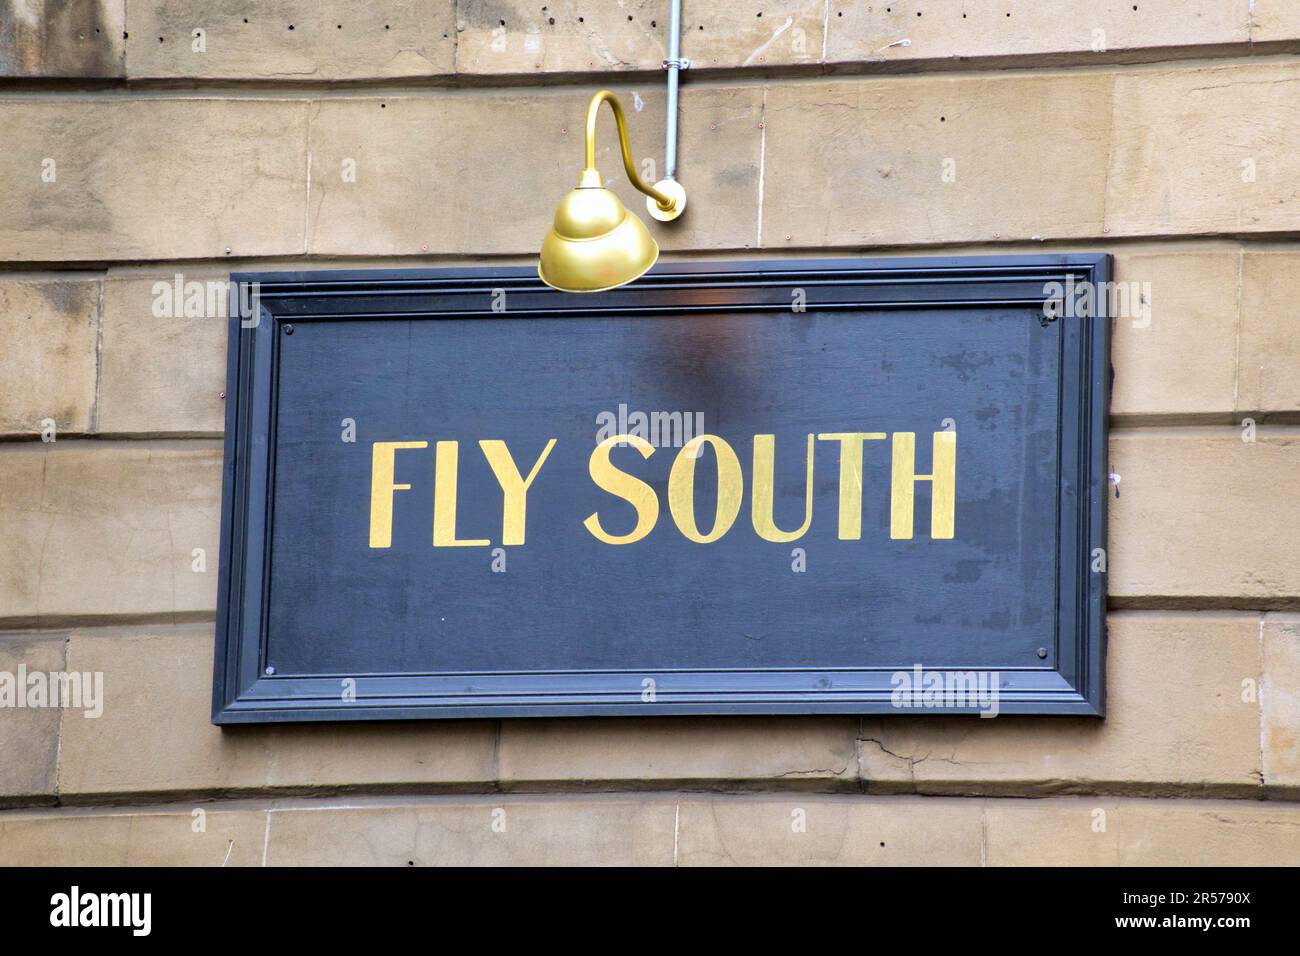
(270, 671)
(1042, 652)
(288, 330)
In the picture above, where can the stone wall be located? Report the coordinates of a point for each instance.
(1162, 131)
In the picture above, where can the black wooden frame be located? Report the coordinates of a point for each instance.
(244, 693)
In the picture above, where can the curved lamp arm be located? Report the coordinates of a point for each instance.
(590, 176)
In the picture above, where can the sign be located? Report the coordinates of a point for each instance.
(849, 486)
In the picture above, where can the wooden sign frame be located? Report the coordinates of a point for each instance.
(247, 688)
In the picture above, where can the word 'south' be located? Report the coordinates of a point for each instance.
(681, 488)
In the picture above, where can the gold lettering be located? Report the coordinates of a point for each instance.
(609, 478)
(943, 494)
(382, 457)
(444, 500)
(514, 489)
(681, 488)
(762, 505)
(851, 478)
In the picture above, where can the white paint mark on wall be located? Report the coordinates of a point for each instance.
(789, 22)
(762, 155)
(26, 12)
(677, 827)
(826, 27)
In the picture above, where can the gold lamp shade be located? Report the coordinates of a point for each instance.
(595, 244)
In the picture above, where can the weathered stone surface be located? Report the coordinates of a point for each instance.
(295, 39)
(156, 733)
(1201, 516)
(419, 181)
(29, 736)
(1205, 150)
(845, 163)
(570, 36)
(93, 531)
(823, 830)
(151, 178)
(1280, 700)
(1223, 834)
(1175, 717)
(679, 750)
(1068, 832)
(61, 38)
(1274, 20)
(47, 363)
(482, 831)
(1269, 379)
(963, 159)
(950, 29)
(290, 39)
(133, 838)
(681, 829)
(870, 161)
(1059, 832)
(162, 369)
(1174, 354)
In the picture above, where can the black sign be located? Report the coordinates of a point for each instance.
(850, 486)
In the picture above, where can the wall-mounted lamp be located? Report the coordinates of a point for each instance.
(595, 244)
